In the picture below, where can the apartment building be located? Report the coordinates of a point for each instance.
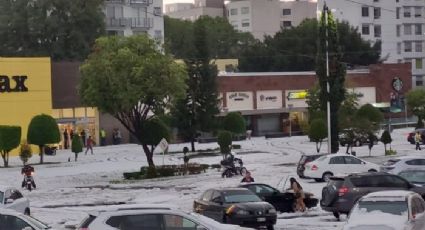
(189, 11)
(128, 17)
(398, 24)
(267, 17)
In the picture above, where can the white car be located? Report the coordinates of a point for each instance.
(12, 220)
(329, 165)
(11, 198)
(388, 210)
(149, 217)
(396, 165)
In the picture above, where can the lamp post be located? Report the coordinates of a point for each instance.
(328, 104)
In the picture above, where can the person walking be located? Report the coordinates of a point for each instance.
(119, 136)
(89, 145)
(247, 178)
(185, 159)
(65, 139)
(299, 195)
(418, 140)
(102, 137)
(83, 137)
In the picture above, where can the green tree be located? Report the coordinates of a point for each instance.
(197, 111)
(328, 35)
(43, 130)
(61, 29)
(416, 102)
(129, 78)
(225, 141)
(314, 106)
(25, 152)
(10, 136)
(386, 139)
(77, 145)
(317, 132)
(155, 130)
(234, 123)
(178, 37)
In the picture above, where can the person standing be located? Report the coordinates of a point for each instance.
(247, 178)
(102, 137)
(83, 137)
(299, 195)
(418, 140)
(89, 145)
(65, 139)
(119, 137)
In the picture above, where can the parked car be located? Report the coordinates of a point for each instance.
(13, 220)
(411, 136)
(11, 198)
(304, 160)
(149, 217)
(326, 166)
(341, 193)
(398, 210)
(416, 176)
(282, 201)
(396, 165)
(236, 206)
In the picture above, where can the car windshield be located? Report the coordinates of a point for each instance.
(390, 207)
(391, 162)
(35, 222)
(240, 196)
(415, 177)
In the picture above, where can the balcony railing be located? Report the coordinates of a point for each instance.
(141, 23)
(145, 2)
(116, 22)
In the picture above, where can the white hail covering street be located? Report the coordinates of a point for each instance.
(66, 190)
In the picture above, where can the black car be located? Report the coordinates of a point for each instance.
(341, 193)
(282, 201)
(414, 176)
(237, 206)
(304, 160)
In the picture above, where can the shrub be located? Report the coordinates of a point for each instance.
(10, 136)
(151, 173)
(236, 147)
(386, 139)
(43, 130)
(25, 152)
(165, 171)
(225, 141)
(132, 175)
(317, 132)
(204, 167)
(234, 122)
(390, 152)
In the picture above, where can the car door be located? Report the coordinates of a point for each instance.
(19, 201)
(10, 222)
(337, 165)
(201, 205)
(354, 165)
(9, 202)
(418, 214)
(215, 207)
(136, 222)
(281, 201)
(177, 222)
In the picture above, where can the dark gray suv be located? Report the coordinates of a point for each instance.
(342, 193)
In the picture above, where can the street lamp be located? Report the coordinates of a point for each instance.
(328, 104)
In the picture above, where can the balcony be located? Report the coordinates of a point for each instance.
(144, 2)
(115, 1)
(141, 23)
(116, 22)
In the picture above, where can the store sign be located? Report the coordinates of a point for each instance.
(296, 98)
(297, 95)
(13, 84)
(270, 99)
(239, 101)
(397, 84)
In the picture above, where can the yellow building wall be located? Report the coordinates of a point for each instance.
(18, 108)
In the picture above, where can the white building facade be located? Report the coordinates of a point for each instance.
(398, 24)
(128, 17)
(189, 11)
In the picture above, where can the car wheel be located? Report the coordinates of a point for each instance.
(326, 176)
(27, 212)
(270, 227)
(336, 215)
(318, 179)
(372, 170)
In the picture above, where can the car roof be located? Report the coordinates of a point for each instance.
(6, 211)
(230, 189)
(130, 207)
(407, 158)
(253, 183)
(393, 195)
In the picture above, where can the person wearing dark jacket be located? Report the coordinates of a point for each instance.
(28, 171)
(247, 178)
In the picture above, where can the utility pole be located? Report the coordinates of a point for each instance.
(328, 103)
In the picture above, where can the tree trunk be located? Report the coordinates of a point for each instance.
(76, 156)
(41, 154)
(192, 143)
(5, 156)
(385, 148)
(149, 155)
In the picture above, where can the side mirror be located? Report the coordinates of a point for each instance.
(9, 201)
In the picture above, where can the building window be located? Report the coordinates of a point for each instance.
(377, 31)
(408, 46)
(418, 11)
(233, 11)
(406, 11)
(234, 24)
(418, 62)
(376, 12)
(286, 24)
(365, 30)
(398, 30)
(418, 29)
(418, 46)
(245, 10)
(407, 29)
(245, 23)
(419, 80)
(365, 11)
(286, 12)
(157, 11)
(397, 13)
(399, 49)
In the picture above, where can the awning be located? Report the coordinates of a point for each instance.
(265, 111)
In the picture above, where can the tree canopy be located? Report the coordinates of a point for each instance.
(416, 102)
(131, 79)
(317, 132)
(10, 137)
(234, 122)
(43, 130)
(61, 29)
